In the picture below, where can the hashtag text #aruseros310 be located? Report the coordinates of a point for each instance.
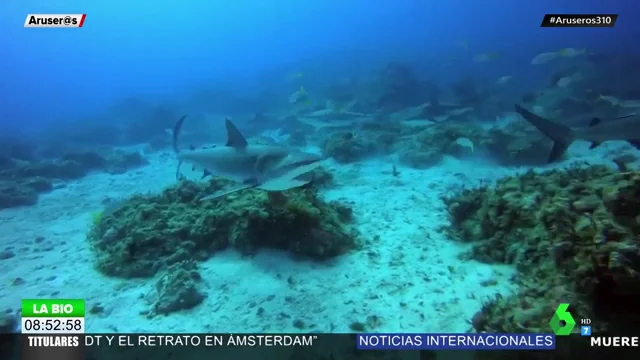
(579, 20)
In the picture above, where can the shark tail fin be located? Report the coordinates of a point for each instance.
(561, 135)
(177, 128)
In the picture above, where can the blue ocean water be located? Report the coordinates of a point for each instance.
(163, 49)
(121, 81)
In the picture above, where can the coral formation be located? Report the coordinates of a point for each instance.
(75, 165)
(21, 181)
(514, 144)
(573, 236)
(346, 146)
(321, 178)
(179, 289)
(24, 193)
(8, 322)
(148, 233)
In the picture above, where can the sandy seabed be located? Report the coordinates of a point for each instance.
(408, 276)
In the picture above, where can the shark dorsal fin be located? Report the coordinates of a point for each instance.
(234, 136)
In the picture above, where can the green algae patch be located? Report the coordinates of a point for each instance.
(573, 236)
(147, 233)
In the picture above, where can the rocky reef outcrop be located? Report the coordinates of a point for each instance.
(173, 231)
(573, 236)
(347, 146)
(21, 181)
(514, 144)
(147, 233)
(372, 138)
(422, 145)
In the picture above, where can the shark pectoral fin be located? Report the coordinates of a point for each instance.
(558, 149)
(222, 193)
(634, 143)
(594, 144)
(282, 184)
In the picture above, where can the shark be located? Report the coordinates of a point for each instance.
(624, 128)
(266, 167)
(333, 116)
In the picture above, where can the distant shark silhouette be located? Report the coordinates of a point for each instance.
(266, 167)
(333, 116)
(626, 128)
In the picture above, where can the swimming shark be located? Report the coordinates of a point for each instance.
(266, 167)
(333, 116)
(325, 119)
(625, 128)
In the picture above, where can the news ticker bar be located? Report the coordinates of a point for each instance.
(579, 20)
(363, 341)
(389, 341)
